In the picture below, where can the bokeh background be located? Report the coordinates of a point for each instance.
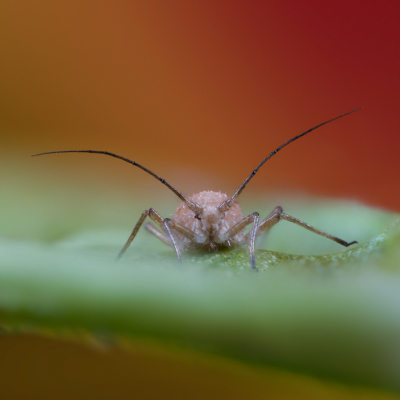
(200, 92)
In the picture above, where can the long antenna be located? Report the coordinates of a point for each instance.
(227, 204)
(192, 205)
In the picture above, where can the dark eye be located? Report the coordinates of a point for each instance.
(197, 216)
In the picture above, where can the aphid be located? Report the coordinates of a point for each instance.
(212, 220)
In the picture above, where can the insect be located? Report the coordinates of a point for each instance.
(212, 220)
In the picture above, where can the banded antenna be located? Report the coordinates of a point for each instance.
(227, 204)
(196, 208)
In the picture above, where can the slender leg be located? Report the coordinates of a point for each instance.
(253, 234)
(146, 213)
(250, 219)
(278, 215)
(164, 238)
(181, 229)
(158, 234)
(317, 231)
(166, 227)
(168, 224)
(272, 219)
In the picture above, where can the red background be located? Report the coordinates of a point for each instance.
(200, 92)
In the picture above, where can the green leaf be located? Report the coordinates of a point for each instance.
(334, 314)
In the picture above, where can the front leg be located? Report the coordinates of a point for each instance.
(166, 225)
(250, 237)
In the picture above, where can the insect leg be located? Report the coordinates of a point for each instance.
(273, 218)
(160, 222)
(146, 213)
(158, 234)
(315, 230)
(251, 236)
(278, 215)
(169, 226)
(181, 229)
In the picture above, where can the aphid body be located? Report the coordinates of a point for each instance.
(212, 220)
(211, 226)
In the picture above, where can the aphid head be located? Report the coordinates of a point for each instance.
(210, 216)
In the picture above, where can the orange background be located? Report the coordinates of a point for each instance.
(200, 92)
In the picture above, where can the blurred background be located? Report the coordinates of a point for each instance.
(201, 92)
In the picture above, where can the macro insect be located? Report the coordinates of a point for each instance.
(212, 220)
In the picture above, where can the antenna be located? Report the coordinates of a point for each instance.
(227, 204)
(192, 205)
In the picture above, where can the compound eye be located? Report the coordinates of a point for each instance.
(197, 216)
